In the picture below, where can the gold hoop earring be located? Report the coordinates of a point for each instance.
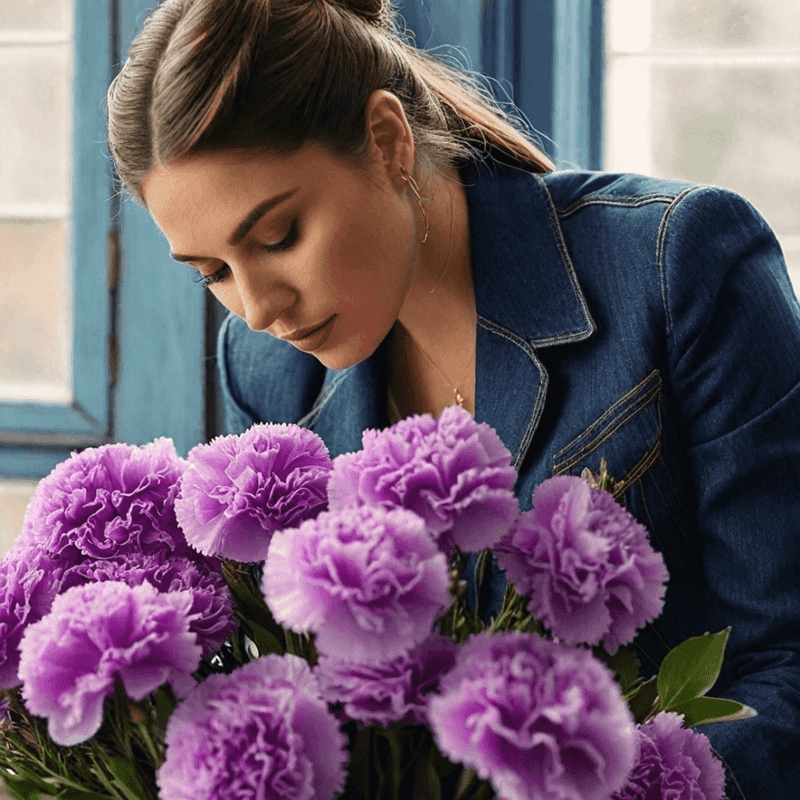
(409, 179)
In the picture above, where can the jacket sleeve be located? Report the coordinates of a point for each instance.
(733, 338)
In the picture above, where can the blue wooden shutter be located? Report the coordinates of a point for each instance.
(545, 55)
(160, 325)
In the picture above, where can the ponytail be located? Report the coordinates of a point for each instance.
(269, 75)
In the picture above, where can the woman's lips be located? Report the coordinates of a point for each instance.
(316, 338)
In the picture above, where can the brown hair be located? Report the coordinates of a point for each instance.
(254, 75)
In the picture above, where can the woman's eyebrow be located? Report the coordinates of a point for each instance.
(245, 225)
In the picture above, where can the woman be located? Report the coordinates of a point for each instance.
(390, 242)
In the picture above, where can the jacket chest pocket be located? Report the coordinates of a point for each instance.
(627, 435)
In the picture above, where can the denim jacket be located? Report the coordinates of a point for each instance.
(652, 323)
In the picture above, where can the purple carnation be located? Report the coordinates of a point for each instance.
(95, 635)
(211, 612)
(368, 582)
(238, 490)
(453, 472)
(586, 564)
(388, 691)
(108, 501)
(537, 718)
(263, 731)
(674, 762)
(27, 589)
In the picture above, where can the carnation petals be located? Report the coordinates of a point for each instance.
(534, 716)
(27, 588)
(453, 472)
(262, 731)
(211, 614)
(368, 582)
(238, 490)
(674, 762)
(96, 634)
(107, 501)
(383, 692)
(586, 564)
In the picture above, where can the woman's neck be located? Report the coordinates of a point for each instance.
(432, 347)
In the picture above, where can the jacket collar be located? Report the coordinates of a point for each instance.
(527, 297)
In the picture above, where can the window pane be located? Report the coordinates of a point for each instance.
(14, 496)
(35, 15)
(34, 330)
(709, 91)
(34, 134)
(35, 130)
(733, 127)
(726, 23)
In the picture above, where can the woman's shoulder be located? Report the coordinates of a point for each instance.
(670, 203)
(574, 190)
(571, 190)
(681, 222)
(569, 187)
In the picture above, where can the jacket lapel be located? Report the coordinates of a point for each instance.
(527, 297)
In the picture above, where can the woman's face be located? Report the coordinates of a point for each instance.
(293, 244)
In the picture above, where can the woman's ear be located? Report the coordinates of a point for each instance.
(391, 143)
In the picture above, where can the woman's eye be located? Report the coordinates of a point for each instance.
(215, 277)
(224, 271)
(285, 243)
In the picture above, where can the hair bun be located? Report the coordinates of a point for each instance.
(377, 12)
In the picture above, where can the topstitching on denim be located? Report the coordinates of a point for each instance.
(632, 201)
(308, 420)
(661, 239)
(544, 380)
(612, 419)
(562, 247)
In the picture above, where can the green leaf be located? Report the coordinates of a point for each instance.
(22, 788)
(249, 597)
(643, 700)
(165, 702)
(74, 794)
(358, 784)
(427, 785)
(25, 777)
(691, 669)
(264, 640)
(467, 781)
(624, 664)
(126, 777)
(704, 710)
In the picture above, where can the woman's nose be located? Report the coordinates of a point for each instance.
(263, 299)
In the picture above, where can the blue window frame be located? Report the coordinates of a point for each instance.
(160, 322)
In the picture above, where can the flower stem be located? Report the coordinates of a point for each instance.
(147, 736)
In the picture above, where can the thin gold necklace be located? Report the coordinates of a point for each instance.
(459, 398)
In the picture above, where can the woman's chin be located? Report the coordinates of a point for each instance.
(354, 351)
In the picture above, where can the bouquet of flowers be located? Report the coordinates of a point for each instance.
(260, 621)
